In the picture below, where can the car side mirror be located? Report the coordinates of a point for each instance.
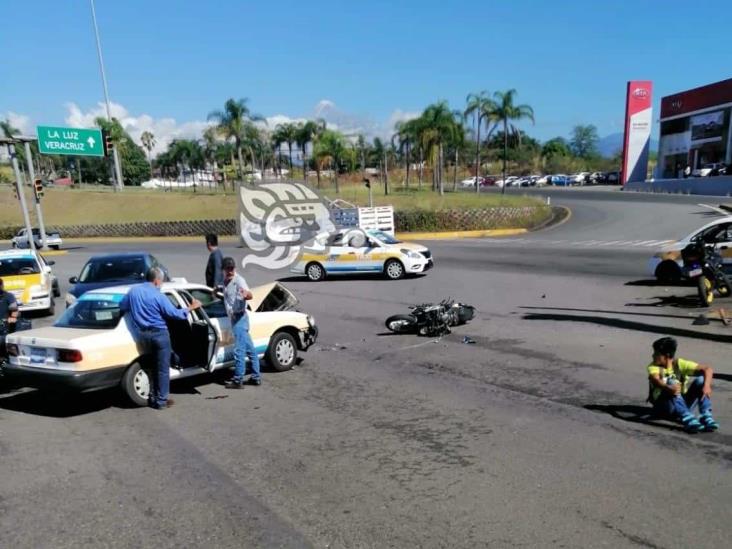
(73, 280)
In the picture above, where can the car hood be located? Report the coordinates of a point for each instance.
(80, 288)
(413, 246)
(272, 297)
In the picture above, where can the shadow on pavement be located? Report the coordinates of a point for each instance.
(350, 277)
(630, 325)
(623, 313)
(723, 377)
(680, 302)
(633, 414)
(652, 282)
(62, 405)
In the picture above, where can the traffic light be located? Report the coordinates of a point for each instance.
(367, 183)
(38, 188)
(108, 144)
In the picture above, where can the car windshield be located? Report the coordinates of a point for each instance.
(13, 266)
(116, 269)
(92, 312)
(386, 238)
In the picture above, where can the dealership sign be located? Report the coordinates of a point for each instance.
(637, 130)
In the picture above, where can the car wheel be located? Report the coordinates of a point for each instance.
(56, 290)
(393, 269)
(668, 272)
(315, 272)
(282, 352)
(52, 307)
(56, 247)
(14, 244)
(136, 384)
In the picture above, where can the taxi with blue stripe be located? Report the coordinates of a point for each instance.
(93, 345)
(351, 251)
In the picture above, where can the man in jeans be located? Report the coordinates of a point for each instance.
(149, 309)
(677, 385)
(236, 295)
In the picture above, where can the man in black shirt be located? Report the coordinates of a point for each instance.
(8, 314)
(214, 273)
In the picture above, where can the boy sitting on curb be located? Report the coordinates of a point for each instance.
(677, 385)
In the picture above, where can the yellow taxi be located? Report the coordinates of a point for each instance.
(28, 276)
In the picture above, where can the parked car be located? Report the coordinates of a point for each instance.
(560, 180)
(349, 251)
(578, 178)
(543, 180)
(470, 182)
(112, 270)
(709, 169)
(612, 178)
(488, 181)
(28, 276)
(20, 240)
(92, 346)
(666, 264)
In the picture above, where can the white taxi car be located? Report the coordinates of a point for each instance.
(348, 251)
(92, 345)
(666, 264)
(28, 276)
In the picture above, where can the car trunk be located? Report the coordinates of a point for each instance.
(272, 297)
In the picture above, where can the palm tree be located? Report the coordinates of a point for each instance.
(330, 149)
(232, 122)
(435, 127)
(481, 107)
(504, 111)
(404, 133)
(8, 129)
(457, 142)
(287, 133)
(148, 143)
(305, 134)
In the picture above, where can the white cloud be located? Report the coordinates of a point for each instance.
(164, 129)
(401, 116)
(20, 122)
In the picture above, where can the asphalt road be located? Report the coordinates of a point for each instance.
(533, 436)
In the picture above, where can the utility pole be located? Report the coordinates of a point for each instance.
(39, 212)
(117, 166)
(21, 193)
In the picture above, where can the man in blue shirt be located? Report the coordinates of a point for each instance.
(149, 309)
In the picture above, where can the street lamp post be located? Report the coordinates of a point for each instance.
(10, 142)
(115, 154)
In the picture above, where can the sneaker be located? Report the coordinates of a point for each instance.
(234, 384)
(255, 381)
(708, 422)
(691, 424)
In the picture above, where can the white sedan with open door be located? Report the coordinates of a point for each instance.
(92, 346)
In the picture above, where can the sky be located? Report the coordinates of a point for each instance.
(361, 65)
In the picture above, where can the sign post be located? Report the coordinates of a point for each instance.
(21, 195)
(75, 141)
(39, 212)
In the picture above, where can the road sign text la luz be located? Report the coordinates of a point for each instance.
(75, 141)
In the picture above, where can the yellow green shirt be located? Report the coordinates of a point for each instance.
(682, 371)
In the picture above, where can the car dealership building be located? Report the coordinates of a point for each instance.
(695, 129)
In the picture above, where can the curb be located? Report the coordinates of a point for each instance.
(449, 235)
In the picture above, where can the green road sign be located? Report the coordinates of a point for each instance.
(77, 141)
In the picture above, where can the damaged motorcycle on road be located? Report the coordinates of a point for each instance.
(431, 319)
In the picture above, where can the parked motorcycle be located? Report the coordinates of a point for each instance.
(431, 319)
(703, 266)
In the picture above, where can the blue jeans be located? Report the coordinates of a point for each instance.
(244, 348)
(156, 341)
(680, 406)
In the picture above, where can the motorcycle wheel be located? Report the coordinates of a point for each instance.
(401, 324)
(704, 289)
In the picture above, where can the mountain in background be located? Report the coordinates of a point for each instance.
(609, 145)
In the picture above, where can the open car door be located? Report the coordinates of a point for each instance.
(204, 334)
